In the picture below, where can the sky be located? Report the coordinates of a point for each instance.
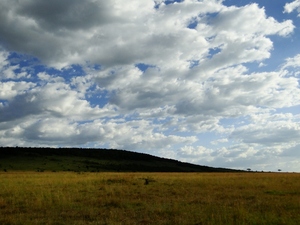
(209, 82)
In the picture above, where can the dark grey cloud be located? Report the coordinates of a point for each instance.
(21, 106)
(292, 152)
(56, 15)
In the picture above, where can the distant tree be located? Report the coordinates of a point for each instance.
(248, 169)
(279, 170)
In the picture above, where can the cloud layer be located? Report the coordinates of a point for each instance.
(175, 79)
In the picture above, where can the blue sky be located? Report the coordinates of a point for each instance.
(209, 82)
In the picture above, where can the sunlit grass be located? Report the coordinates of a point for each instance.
(166, 198)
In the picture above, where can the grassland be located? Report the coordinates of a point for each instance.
(149, 198)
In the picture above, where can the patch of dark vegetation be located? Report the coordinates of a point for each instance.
(148, 180)
(116, 181)
(93, 160)
(282, 193)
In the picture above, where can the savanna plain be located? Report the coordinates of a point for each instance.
(149, 198)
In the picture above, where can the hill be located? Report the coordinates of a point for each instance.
(91, 160)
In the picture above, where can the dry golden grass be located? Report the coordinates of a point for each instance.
(168, 198)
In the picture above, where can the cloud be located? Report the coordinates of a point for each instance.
(41, 101)
(65, 15)
(10, 89)
(238, 156)
(133, 135)
(109, 33)
(243, 156)
(216, 142)
(290, 7)
(269, 130)
(292, 151)
(232, 92)
(293, 62)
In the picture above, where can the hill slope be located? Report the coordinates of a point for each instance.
(93, 160)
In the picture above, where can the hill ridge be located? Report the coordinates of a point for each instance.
(92, 160)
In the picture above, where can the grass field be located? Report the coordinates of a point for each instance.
(149, 198)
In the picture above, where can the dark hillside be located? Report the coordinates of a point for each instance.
(93, 160)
